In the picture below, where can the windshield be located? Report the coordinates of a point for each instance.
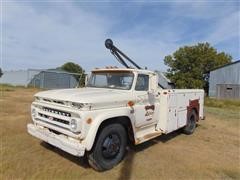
(113, 80)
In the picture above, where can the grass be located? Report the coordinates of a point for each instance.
(223, 109)
(222, 103)
(212, 152)
(231, 174)
(7, 87)
(226, 114)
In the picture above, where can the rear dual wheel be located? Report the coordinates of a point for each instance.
(109, 148)
(191, 123)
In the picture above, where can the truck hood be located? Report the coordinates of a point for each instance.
(98, 98)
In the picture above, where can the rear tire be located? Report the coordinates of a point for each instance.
(109, 148)
(191, 123)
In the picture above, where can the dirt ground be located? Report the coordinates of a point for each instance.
(212, 152)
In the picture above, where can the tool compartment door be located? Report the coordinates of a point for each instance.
(172, 113)
(182, 103)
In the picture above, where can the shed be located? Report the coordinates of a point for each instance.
(17, 77)
(224, 81)
(54, 79)
(47, 79)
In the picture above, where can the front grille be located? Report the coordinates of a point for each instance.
(53, 101)
(54, 119)
(66, 114)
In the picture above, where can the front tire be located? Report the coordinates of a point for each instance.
(191, 123)
(109, 148)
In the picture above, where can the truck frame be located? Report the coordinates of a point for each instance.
(118, 106)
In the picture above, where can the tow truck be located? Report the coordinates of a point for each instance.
(117, 106)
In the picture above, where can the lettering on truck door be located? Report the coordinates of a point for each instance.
(145, 103)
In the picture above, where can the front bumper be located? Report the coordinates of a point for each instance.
(71, 146)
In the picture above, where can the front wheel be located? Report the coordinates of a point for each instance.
(109, 148)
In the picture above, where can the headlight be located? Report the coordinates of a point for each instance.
(73, 124)
(34, 113)
(77, 105)
(82, 106)
(37, 99)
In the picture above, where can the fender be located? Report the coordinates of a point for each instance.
(99, 119)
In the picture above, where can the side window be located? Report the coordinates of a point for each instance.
(142, 82)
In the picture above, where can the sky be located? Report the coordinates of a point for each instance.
(46, 34)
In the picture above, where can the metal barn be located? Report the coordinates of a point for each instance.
(224, 82)
(54, 79)
(17, 77)
(47, 79)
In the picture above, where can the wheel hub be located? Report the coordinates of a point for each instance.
(111, 146)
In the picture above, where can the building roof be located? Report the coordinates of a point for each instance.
(235, 62)
(60, 71)
(108, 69)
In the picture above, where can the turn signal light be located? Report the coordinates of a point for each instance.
(130, 103)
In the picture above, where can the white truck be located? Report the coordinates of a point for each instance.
(118, 106)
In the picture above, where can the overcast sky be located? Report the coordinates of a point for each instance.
(47, 34)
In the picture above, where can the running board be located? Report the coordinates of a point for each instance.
(147, 133)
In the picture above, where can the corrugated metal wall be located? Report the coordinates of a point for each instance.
(228, 75)
(46, 79)
(54, 80)
(16, 78)
(228, 91)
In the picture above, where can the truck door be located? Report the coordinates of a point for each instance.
(144, 109)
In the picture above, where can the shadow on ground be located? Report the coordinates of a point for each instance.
(126, 168)
(125, 172)
(82, 161)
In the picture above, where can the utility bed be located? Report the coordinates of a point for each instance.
(175, 106)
